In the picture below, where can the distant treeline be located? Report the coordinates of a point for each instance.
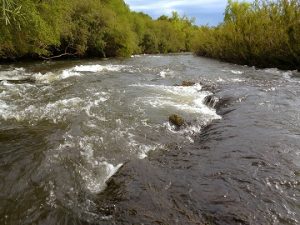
(263, 33)
(101, 28)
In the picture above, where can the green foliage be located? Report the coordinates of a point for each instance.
(10, 10)
(100, 28)
(32, 32)
(264, 33)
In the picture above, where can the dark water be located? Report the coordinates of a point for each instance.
(89, 142)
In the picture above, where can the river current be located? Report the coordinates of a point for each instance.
(89, 142)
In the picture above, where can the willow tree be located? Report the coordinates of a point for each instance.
(101, 28)
(263, 33)
(10, 11)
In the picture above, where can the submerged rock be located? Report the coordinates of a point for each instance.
(176, 120)
(20, 81)
(208, 87)
(187, 83)
(211, 101)
(219, 103)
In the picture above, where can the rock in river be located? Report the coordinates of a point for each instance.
(176, 120)
(187, 83)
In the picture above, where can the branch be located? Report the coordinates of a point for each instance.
(61, 55)
(57, 56)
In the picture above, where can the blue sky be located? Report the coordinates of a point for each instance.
(204, 11)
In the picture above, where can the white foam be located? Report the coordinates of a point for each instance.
(60, 109)
(64, 103)
(55, 111)
(95, 179)
(94, 171)
(97, 99)
(154, 56)
(5, 110)
(136, 56)
(270, 89)
(145, 149)
(98, 68)
(172, 89)
(20, 74)
(74, 72)
(166, 72)
(287, 75)
(68, 73)
(14, 74)
(140, 149)
(51, 199)
(188, 130)
(183, 98)
(237, 80)
(51, 77)
(272, 71)
(238, 72)
(88, 68)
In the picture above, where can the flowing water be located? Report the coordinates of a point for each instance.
(89, 142)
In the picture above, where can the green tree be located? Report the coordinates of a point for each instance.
(264, 33)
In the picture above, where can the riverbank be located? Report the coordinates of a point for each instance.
(48, 30)
(264, 34)
(263, 64)
(257, 34)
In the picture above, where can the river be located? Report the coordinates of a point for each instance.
(89, 142)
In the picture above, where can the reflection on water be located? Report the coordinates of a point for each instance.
(67, 127)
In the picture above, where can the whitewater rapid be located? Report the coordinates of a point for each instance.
(43, 100)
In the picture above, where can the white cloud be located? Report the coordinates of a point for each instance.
(200, 7)
(140, 5)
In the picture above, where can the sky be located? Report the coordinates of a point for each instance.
(204, 11)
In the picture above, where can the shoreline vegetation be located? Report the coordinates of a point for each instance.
(262, 33)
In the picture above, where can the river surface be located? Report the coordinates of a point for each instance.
(89, 142)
